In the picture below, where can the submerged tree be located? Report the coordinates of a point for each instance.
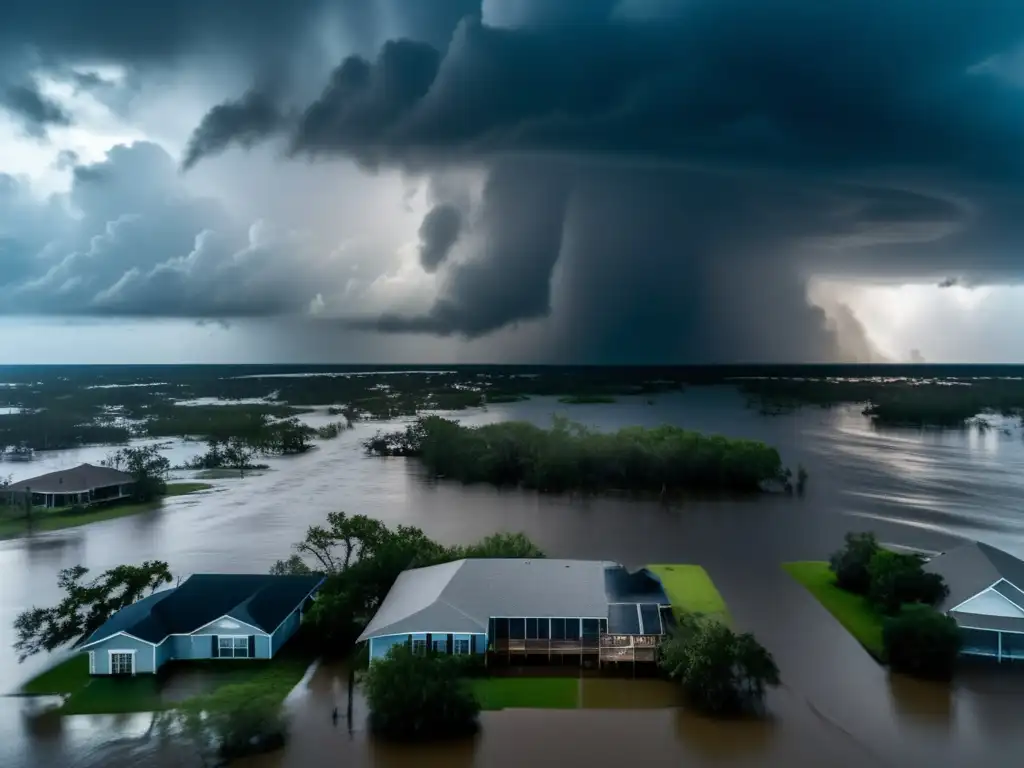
(922, 642)
(570, 457)
(86, 605)
(721, 672)
(415, 697)
(146, 466)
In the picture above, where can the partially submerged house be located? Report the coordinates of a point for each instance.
(985, 598)
(524, 609)
(82, 485)
(208, 616)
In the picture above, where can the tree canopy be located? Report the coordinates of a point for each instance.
(570, 457)
(922, 642)
(898, 579)
(850, 564)
(361, 558)
(721, 672)
(146, 466)
(415, 697)
(86, 605)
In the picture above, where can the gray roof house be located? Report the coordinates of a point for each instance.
(523, 607)
(985, 598)
(84, 484)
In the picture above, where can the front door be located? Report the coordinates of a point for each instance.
(122, 663)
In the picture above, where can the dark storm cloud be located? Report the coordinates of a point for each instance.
(243, 122)
(35, 112)
(743, 80)
(438, 233)
(134, 33)
(713, 260)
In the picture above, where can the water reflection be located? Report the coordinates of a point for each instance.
(922, 704)
(913, 487)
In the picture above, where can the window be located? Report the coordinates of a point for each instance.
(462, 646)
(531, 629)
(501, 629)
(572, 629)
(233, 647)
(604, 626)
(543, 629)
(590, 628)
(122, 663)
(441, 646)
(558, 629)
(419, 646)
(517, 629)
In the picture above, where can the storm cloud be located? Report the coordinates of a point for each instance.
(35, 111)
(639, 179)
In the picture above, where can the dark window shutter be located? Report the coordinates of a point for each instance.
(451, 644)
(252, 646)
(215, 647)
(430, 642)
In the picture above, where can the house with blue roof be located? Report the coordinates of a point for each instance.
(207, 616)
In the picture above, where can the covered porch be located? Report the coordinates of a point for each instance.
(56, 500)
(998, 644)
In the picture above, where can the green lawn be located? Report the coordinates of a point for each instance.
(854, 612)
(67, 677)
(690, 590)
(146, 693)
(526, 692)
(57, 519)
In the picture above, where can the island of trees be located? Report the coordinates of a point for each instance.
(570, 457)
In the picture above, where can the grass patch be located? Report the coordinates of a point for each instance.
(67, 677)
(116, 696)
(526, 692)
(89, 695)
(854, 612)
(691, 590)
(58, 519)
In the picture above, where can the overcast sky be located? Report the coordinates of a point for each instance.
(511, 180)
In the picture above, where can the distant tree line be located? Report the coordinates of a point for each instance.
(570, 457)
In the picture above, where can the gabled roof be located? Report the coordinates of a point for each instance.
(461, 596)
(260, 600)
(973, 568)
(84, 477)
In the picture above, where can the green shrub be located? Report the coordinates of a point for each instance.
(415, 697)
(850, 564)
(897, 579)
(922, 642)
(721, 672)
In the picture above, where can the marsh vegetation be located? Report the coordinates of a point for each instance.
(571, 457)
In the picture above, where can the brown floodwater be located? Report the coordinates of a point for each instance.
(838, 707)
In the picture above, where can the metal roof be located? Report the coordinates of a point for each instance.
(463, 595)
(973, 568)
(84, 477)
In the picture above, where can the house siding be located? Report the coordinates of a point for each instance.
(379, 646)
(144, 652)
(224, 627)
(282, 634)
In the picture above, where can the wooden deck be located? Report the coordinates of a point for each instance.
(605, 648)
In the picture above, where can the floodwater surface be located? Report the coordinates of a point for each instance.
(921, 489)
